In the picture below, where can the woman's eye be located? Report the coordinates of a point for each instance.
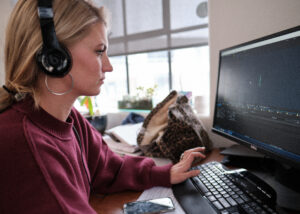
(99, 52)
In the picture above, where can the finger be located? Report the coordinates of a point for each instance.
(186, 153)
(196, 149)
(191, 173)
(187, 162)
(188, 159)
(192, 156)
(196, 159)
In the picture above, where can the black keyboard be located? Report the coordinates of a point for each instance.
(219, 190)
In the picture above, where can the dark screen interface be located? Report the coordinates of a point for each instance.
(258, 97)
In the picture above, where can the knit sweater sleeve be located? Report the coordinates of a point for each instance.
(112, 173)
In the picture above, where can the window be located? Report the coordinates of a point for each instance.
(148, 70)
(139, 21)
(157, 42)
(114, 87)
(190, 72)
(187, 72)
(145, 26)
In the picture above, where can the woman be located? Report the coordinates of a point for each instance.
(51, 157)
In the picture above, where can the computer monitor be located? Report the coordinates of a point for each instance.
(258, 96)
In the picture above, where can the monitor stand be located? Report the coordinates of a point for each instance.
(284, 179)
(241, 156)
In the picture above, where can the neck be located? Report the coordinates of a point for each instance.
(58, 106)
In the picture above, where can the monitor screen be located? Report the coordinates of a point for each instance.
(258, 95)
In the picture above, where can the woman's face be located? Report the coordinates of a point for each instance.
(90, 61)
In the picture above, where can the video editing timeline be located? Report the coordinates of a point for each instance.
(261, 124)
(259, 93)
(284, 117)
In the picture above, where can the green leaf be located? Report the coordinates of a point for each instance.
(82, 100)
(90, 106)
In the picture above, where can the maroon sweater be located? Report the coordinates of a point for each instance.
(41, 167)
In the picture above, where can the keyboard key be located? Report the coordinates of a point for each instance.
(231, 192)
(218, 205)
(245, 197)
(212, 198)
(253, 204)
(235, 196)
(258, 209)
(209, 186)
(259, 201)
(231, 201)
(215, 193)
(250, 211)
(232, 209)
(218, 196)
(213, 190)
(245, 206)
(208, 194)
(239, 200)
(235, 189)
(224, 202)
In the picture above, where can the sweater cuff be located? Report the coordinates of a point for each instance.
(160, 175)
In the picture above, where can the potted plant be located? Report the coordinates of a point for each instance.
(88, 103)
(98, 121)
(142, 100)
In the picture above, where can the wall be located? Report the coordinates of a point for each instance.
(236, 21)
(5, 9)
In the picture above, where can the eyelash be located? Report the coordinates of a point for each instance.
(100, 52)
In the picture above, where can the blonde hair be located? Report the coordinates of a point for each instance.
(72, 20)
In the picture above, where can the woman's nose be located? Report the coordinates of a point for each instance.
(107, 67)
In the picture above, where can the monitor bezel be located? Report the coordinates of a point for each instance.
(272, 154)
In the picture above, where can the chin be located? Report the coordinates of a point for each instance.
(97, 92)
(92, 93)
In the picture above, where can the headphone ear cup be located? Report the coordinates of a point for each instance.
(53, 61)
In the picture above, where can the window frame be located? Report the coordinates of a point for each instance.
(169, 62)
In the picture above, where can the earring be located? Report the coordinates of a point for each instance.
(59, 93)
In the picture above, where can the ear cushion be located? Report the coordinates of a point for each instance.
(56, 62)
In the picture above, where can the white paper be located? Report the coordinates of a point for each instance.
(161, 192)
(120, 147)
(127, 133)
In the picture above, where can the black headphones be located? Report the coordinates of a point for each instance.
(53, 58)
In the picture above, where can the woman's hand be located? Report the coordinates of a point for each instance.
(180, 171)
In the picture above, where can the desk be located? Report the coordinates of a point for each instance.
(113, 203)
